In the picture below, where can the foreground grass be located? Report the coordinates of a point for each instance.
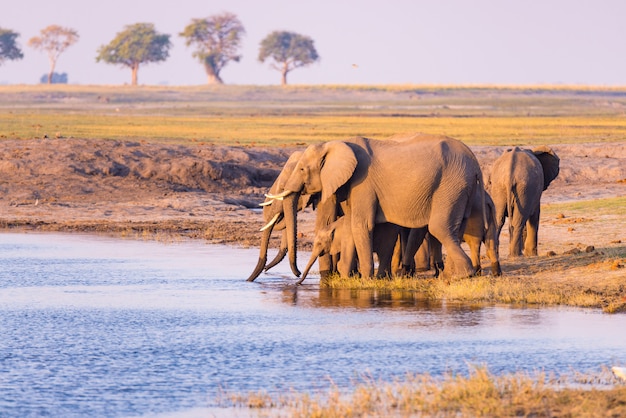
(480, 394)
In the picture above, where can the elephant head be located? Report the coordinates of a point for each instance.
(322, 168)
(549, 162)
(274, 216)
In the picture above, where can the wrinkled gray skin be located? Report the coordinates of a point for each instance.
(411, 182)
(330, 238)
(479, 229)
(518, 178)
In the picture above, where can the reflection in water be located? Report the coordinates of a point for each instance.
(102, 327)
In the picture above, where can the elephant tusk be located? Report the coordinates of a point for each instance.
(267, 203)
(279, 196)
(271, 222)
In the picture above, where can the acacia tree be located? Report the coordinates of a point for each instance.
(54, 40)
(136, 44)
(217, 40)
(9, 50)
(288, 50)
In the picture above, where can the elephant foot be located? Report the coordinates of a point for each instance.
(325, 274)
(407, 270)
(438, 269)
(495, 269)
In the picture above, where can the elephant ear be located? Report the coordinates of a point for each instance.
(550, 163)
(337, 166)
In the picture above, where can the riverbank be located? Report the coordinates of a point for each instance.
(211, 192)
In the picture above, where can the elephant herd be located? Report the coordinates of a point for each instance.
(403, 199)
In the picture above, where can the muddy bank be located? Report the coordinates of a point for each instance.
(203, 191)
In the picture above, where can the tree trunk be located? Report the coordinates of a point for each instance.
(52, 65)
(283, 73)
(213, 77)
(135, 70)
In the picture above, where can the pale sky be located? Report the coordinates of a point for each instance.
(359, 41)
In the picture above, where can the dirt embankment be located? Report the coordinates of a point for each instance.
(204, 191)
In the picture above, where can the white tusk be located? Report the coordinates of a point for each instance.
(279, 196)
(267, 203)
(270, 223)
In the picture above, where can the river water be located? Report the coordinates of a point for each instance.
(95, 326)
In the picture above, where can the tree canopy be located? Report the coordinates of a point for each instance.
(136, 44)
(217, 40)
(288, 50)
(9, 50)
(54, 40)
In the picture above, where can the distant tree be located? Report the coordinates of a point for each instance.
(217, 39)
(54, 40)
(9, 50)
(56, 78)
(136, 44)
(288, 50)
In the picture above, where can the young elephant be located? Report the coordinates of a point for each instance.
(518, 178)
(330, 238)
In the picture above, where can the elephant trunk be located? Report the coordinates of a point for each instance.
(308, 267)
(290, 207)
(265, 239)
(282, 252)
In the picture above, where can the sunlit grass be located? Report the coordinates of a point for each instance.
(490, 290)
(274, 116)
(479, 393)
(269, 130)
(597, 207)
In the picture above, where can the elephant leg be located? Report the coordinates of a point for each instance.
(363, 236)
(446, 228)
(413, 243)
(396, 260)
(347, 259)
(385, 236)
(474, 244)
(532, 229)
(422, 257)
(436, 255)
(516, 234)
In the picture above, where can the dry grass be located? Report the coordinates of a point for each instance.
(570, 273)
(478, 394)
(271, 116)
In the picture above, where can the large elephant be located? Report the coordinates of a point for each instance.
(277, 218)
(518, 178)
(411, 182)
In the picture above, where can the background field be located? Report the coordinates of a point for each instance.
(296, 115)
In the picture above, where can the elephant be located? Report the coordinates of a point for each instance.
(330, 238)
(412, 182)
(518, 178)
(275, 216)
